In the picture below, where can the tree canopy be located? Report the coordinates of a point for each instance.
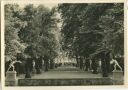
(90, 28)
(13, 24)
(30, 30)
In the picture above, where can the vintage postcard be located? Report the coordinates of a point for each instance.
(63, 43)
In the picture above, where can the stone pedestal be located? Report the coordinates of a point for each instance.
(10, 79)
(117, 75)
(118, 78)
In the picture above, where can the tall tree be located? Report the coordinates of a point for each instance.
(88, 29)
(38, 34)
(12, 25)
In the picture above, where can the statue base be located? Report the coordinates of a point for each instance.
(10, 79)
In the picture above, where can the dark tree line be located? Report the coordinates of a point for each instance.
(88, 32)
(29, 35)
(93, 31)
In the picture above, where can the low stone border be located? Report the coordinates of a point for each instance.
(65, 82)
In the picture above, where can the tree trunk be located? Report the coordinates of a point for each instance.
(81, 63)
(87, 64)
(38, 66)
(94, 67)
(28, 75)
(104, 69)
(77, 61)
(46, 65)
(51, 64)
(28, 67)
(106, 64)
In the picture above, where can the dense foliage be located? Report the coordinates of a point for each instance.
(30, 34)
(93, 31)
(13, 24)
(88, 32)
(88, 28)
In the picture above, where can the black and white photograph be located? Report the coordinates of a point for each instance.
(63, 44)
